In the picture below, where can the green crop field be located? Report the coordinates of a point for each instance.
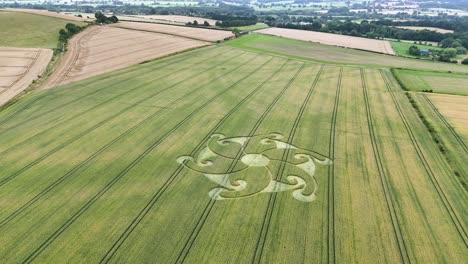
(223, 155)
(29, 30)
(447, 83)
(252, 27)
(303, 50)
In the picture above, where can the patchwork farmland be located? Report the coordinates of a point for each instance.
(99, 50)
(226, 155)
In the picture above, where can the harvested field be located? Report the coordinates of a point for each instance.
(220, 155)
(323, 53)
(381, 46)
(170, 18)
(49, 14)
(439, 30)
(98, 50)
(455, 109)
(188, 32)
(19, 67)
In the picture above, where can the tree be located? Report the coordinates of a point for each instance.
(413, 50)
(447, 43)
(218, 24)
(465, 61)
(461, 50)
(236, 32)
(113, 19)
(206, 24)
(195, 23)
(72, 28)
(450, 52)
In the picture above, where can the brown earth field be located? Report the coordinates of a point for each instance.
(169, 18)
(455, 109)
(50, 14)
(381, 46)
(19, 67)
(188, 32)
(103, 49)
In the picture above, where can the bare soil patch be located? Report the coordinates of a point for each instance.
(102, 49)
(374, 45)
(19, 67)
(187, 32)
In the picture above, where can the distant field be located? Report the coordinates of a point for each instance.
(29, 30)
(253, 27)
(381, 46)
(99, 50)
(322, 53)
(448, 83)
(402, 48)
(221, 155)
(188, 32)
(19, 67)
(179, 19)
(439, 30)
(50, 14)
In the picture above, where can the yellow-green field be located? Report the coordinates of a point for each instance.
(223, 155)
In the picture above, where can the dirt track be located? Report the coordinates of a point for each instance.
(102, 49)
(187, 32)
(381, 46)
(18, 68)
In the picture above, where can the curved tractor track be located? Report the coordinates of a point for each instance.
(19, 67)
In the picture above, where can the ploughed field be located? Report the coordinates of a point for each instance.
(223, 155)
(99, 50)
(18, 68)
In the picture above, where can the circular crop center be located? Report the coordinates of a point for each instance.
(255, 160)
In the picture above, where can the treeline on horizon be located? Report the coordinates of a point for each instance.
(228, 15)
(376, 29)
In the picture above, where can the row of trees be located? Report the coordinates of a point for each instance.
(102, 19)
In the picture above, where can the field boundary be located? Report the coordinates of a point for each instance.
(110, 184)
(448, 206)
(404, 257)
